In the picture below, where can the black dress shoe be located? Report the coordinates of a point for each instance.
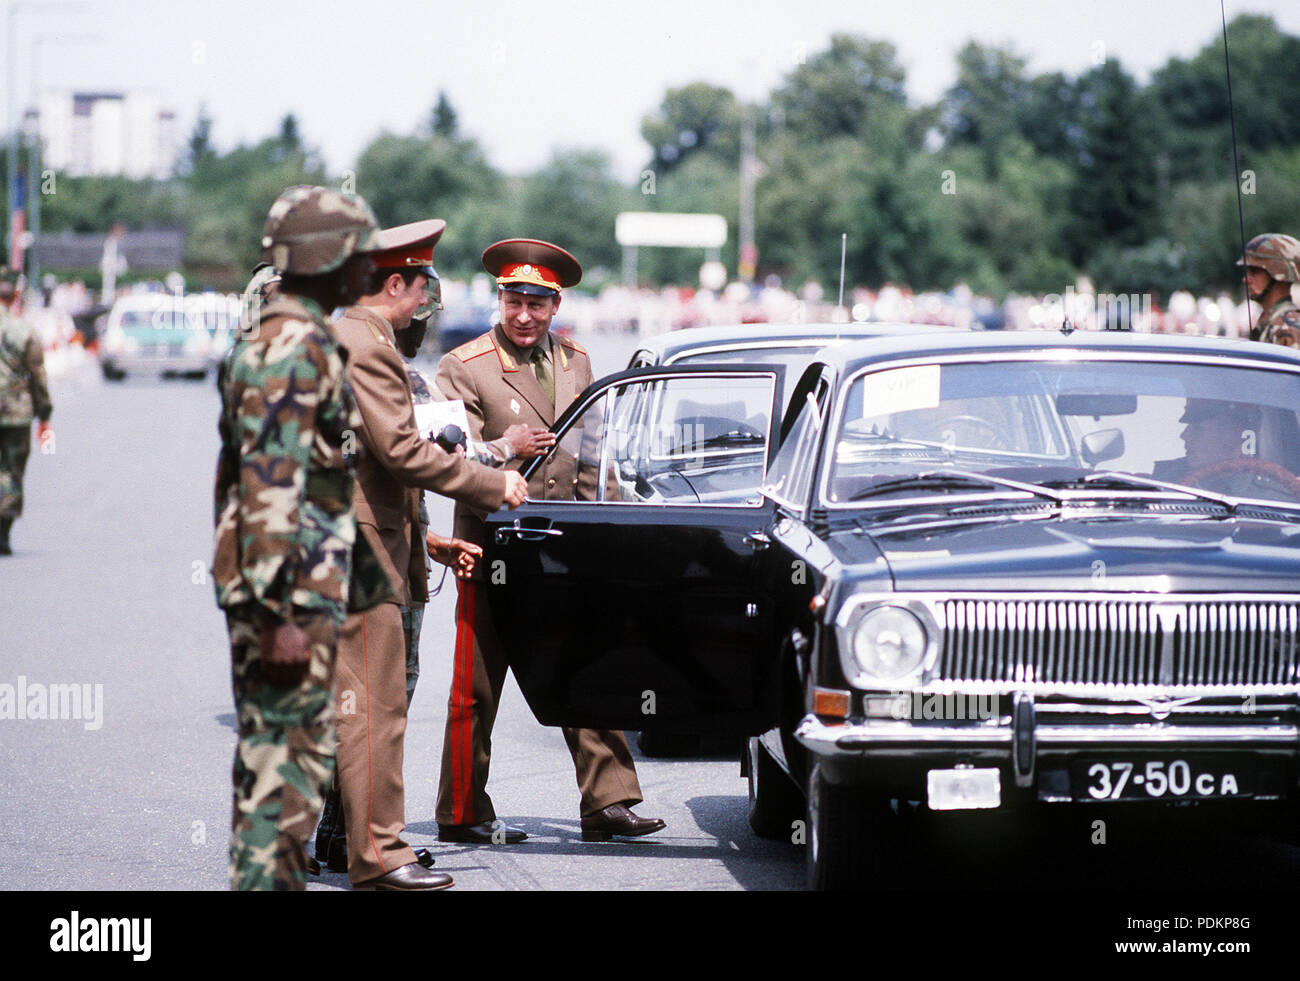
(337, 860)
(409, 878)
(483, 833)
(618, 819)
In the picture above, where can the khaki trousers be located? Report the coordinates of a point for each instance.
(370, 713)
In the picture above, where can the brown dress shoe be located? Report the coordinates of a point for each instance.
(409, 878)
(618, 819)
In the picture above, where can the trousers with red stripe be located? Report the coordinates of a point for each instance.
(602, 762)
(370, 715)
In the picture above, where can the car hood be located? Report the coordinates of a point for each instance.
(1121, 554)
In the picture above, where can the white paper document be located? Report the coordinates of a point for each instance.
(431, 417)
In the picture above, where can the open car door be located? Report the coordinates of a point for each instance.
(630, 600)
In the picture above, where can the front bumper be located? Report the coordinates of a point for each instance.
(161, 363)
(894, 757)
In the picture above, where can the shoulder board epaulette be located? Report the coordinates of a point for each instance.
(572, 345)
(378, 333)
(474, 348)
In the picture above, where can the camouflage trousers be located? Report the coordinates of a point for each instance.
(285, 757)
(412, 621)
(15, 447)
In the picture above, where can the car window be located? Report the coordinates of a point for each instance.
(1225, 428)
(692, 439)
(794, 358)
(791, 474)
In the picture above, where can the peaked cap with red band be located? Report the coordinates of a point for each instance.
(407, 246)
(526, 265)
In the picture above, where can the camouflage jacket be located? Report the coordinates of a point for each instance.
(1279, 324)
(24, 391)
(286, 535)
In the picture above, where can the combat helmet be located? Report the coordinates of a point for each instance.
(1278, 255)
(311, 231)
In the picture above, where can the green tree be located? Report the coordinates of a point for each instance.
(983, 107)
(693, 119)
(1114, 199)
(852, 89)
(1192, 98)
(199, 151)
(573, 201)
(443, 121)
(408, 178)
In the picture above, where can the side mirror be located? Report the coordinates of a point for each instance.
(1104, 444)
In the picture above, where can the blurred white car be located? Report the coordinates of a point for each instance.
(166, 334)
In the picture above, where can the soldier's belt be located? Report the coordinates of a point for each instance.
(329, 483)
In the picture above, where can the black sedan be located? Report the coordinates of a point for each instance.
(968, 571)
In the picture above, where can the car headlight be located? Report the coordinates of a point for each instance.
(885, 640)
(889, 643)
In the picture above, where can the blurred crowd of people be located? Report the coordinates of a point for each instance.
(65, 313)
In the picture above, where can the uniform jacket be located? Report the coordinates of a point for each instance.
(1283, 317)
(24, 392)
(285, 533)
(394, 461)
(499, 389)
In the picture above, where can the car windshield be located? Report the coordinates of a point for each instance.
(199, 312)
(1092, 425)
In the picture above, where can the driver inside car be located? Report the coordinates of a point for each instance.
(1218, 435)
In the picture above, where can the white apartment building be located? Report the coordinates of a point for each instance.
(106, 133)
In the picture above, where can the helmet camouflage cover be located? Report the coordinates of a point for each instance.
(1278, 254)
(313, 230)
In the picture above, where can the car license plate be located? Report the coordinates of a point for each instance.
(963, 789)
(1144, 778)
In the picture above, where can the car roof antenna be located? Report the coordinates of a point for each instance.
(1236, 164)
(844, 247)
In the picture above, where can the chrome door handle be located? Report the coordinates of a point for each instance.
(524, 534)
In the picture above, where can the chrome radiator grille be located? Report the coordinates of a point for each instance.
(1160, 643)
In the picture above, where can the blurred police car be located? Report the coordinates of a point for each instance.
(166, 334)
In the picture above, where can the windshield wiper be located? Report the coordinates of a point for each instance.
(948, 479)
(897, 441)
(1112, 479)
(736, 437)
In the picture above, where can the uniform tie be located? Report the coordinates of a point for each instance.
(543, 371)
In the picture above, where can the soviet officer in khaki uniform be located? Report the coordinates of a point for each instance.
(393, 463)
(24, 395)
(1272, 264)
(518, 372)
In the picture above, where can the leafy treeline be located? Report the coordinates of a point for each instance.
(1011, 181)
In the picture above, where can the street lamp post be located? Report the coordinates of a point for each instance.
(15, 127)
(36, 154)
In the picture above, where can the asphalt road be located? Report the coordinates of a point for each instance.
(109, 588)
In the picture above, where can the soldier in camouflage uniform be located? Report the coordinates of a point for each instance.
(289, 563)
(24, 394)
(1272, 264)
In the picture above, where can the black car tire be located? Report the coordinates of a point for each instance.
(852, 835)
(775, 803)
(110, 373)
(668, 744)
